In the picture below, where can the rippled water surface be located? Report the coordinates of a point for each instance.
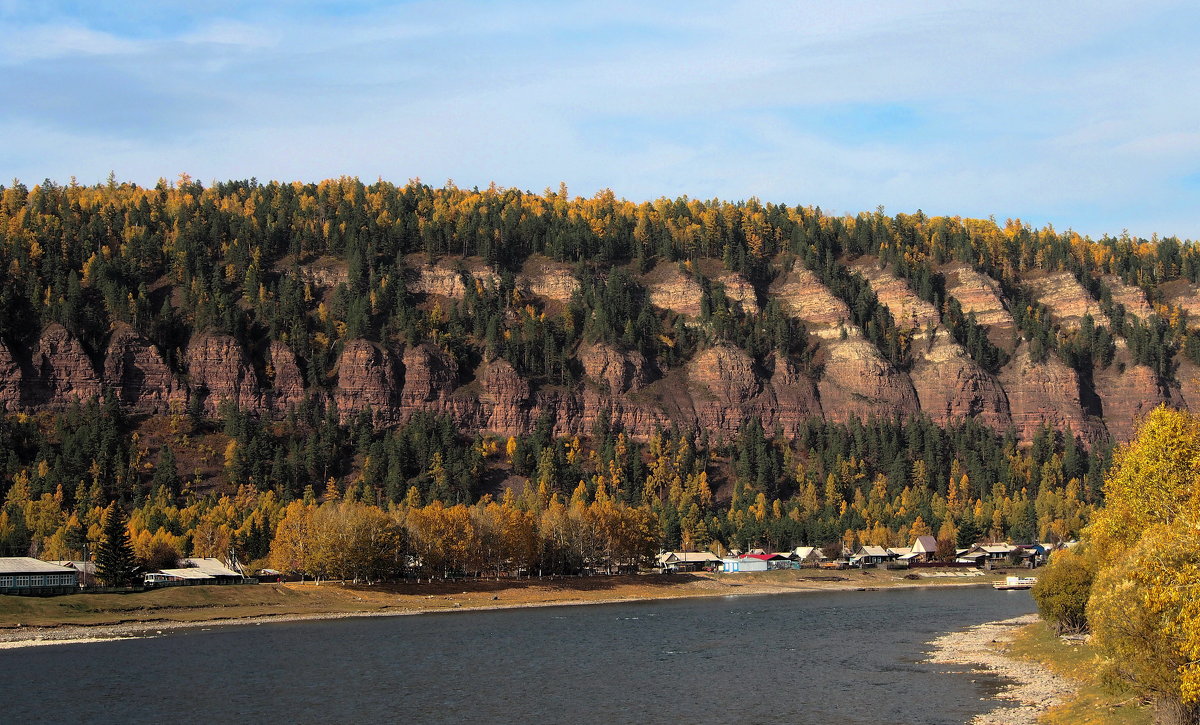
(838, 657)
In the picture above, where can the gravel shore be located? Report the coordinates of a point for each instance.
(1034, 688)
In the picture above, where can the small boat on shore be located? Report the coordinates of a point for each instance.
(1016, 582)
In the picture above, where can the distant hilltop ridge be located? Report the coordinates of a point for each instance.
(503, 309)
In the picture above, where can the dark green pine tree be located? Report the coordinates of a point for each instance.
(114, 556)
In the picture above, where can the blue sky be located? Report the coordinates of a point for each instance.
(1079, 114)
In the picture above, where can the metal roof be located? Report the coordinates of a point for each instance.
(926, 544)
(29, 565)
(190, 573)
(212, 567)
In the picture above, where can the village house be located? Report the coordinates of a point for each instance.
(86, 569)
(990, 555)
(195, 571)
(807, 555)
(747, 563)
(871, 556)
(925, 548)
(26, 576)
(675, 561)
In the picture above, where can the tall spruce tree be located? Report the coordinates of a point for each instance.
(114, 556)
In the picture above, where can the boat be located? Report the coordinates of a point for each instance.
(1016, 582)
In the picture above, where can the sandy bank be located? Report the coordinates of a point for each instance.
(1034, 688)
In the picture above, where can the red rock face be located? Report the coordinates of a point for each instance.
(367, 381)
(616, 371)
(430, 377)
(726, 373)
(287, 382)
(1128, 396)
(64, 372)
(980, 294)
(859, 381)
(1046, 393)
(137, 374)
(10, 380)
(950, 386)
(219, 372)
(505, 399)
(790, 397)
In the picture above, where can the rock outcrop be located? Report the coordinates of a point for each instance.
(1046, 393)
(505, 399)
(1127, 396)
(368, 380)
(908, 310)
(548, 279)
(616, 371)
(950, 386)
(219, 372)
(1133, 298)
(287, 382)
(11, 380)
(738, 290)
(430, 377)
(445, 279)
(137, 373)
(673, 290)
(859, 381)
(64, 372)
(726, 373)
(1066, 299)
(802, 294)
(980, 294)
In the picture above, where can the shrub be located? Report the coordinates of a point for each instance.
(1062, 591)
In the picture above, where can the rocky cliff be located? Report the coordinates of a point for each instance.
(137, 374)
(64, 374)
(1046, 393)
(11, 380)
(673, 290)
(714, 388)
(980, 295)
(220, 373)
(368, 381)
(949, 385)
(1066, 299)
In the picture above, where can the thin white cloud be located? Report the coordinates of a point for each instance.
(41, 42)
(1024, 109)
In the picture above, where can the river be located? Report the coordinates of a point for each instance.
(820, 658)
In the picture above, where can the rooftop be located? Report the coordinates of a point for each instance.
(29, 565)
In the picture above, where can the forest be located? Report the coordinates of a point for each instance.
(181, 258)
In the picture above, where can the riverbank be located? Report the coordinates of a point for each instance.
(1050, 679)
(26, 621)
(1034, 688)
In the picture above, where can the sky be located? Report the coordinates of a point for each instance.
(1084, 115)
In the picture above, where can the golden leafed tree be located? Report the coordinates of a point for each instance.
(1144, 609)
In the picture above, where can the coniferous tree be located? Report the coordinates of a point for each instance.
(115, 562)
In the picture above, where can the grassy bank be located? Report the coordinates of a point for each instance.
(1091, 704)
(72, 616)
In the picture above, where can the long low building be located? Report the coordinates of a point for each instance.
(26, 576)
